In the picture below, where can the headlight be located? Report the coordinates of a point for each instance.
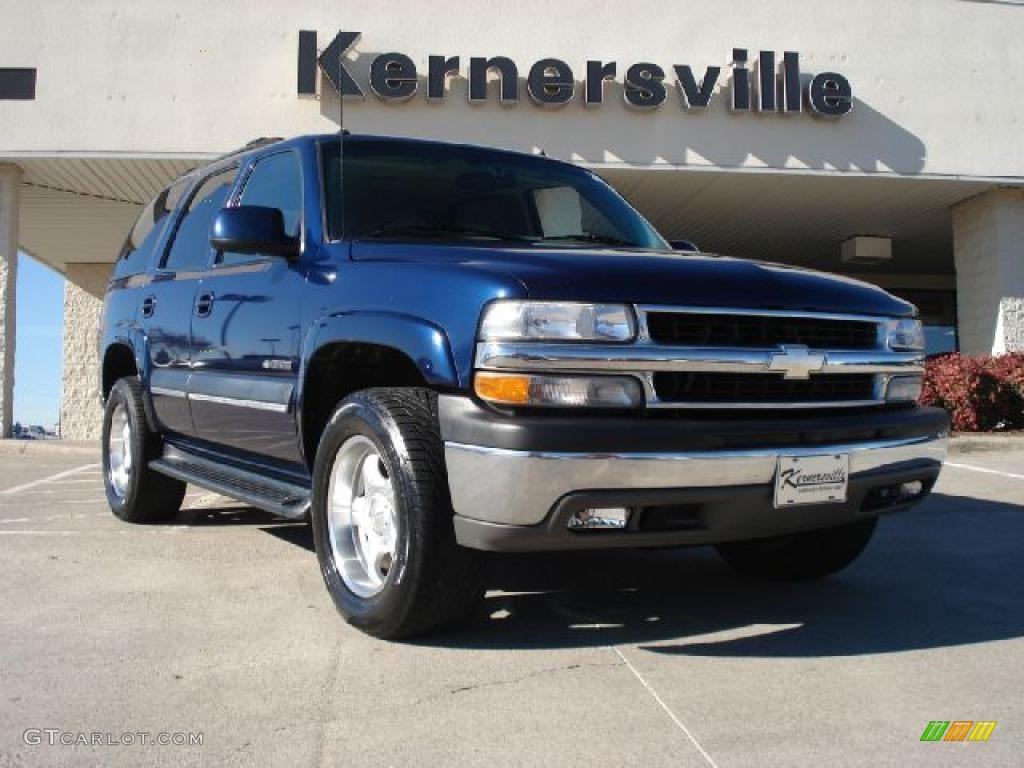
(557, 321)
(903, 388)
(559, 391)
(905, 335)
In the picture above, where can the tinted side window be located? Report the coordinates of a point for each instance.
(190, 249)
(137, 252)
(275, 182)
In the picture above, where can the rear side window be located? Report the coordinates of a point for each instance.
(275, 182)
(136, 255)
(190, 249)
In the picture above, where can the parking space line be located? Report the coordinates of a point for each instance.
(162, 531)
(51, 478)
(986, 470)
(665, 707)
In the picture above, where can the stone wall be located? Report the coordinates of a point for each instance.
(80, 411)
(1011, 325)
(988, 245)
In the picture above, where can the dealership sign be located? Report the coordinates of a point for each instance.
(767, 82)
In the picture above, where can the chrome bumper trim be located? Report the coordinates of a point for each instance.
(520, 487)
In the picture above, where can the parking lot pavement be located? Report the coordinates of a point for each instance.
(218, 624)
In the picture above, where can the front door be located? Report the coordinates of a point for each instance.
(168, 301)
(246, 330)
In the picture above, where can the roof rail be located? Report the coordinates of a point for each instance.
(254, 144)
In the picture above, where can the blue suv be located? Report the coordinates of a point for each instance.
(433, 350)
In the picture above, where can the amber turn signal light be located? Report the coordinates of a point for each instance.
(503, 388)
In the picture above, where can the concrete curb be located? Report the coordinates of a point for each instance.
(985, 443)
(50, 448)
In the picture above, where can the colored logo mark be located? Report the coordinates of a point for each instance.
(958, 730)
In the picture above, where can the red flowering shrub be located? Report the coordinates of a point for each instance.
(982, 393)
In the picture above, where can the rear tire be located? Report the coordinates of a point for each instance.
(135, 493)
(800, 556)
(382, 518)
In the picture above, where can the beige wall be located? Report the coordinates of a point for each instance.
(80, 412)
(934, 81)
(988, 245)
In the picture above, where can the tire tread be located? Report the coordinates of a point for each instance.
(155, 497)
(447, 581)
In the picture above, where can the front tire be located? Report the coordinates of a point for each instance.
(800, 556)
(135, 493)
(382, 517)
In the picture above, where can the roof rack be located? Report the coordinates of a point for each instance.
(254, 144)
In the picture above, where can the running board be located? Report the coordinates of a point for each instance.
(270, 494)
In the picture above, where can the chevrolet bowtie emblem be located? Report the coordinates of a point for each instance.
(796, 361)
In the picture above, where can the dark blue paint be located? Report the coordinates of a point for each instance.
(269, 318)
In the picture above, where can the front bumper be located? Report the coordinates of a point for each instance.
(690, 481)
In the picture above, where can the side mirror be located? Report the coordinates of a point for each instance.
(252, 229)
(684, 245)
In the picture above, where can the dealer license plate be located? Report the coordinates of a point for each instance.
(812, 479)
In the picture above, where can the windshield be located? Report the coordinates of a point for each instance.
(397, 190)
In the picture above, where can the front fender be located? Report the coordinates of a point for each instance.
(423, 342)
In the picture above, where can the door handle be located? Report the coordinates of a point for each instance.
(204, 304)
(148, 306)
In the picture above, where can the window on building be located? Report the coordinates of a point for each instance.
(190, 249)
(275, 182)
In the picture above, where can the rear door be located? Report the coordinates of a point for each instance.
(133, 271)
(246, 330)
(168, 301)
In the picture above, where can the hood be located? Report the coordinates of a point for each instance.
(641, 277)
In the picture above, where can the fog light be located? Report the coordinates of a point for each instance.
(903, 388)
(614, 518)
(910, 490)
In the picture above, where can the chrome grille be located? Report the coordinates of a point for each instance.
(728, 388)
(759, 331)
(714, 358)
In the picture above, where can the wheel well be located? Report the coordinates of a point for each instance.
(118, 362)
(337, 370)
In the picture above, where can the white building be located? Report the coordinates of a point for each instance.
(906, 126)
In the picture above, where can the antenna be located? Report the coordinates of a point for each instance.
(341, 141)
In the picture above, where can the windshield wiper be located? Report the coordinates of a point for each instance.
(586, 237)
(440, 230)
